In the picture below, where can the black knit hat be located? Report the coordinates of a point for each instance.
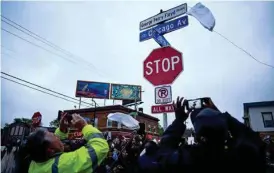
(37, 145)
(209, 122)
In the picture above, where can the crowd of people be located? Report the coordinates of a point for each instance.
(222, 144)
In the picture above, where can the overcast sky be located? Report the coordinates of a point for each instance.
(106, 34)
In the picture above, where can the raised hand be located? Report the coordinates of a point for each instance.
(78, 121)
(64, 123)
(180, 109)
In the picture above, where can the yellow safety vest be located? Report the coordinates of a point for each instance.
(82, 160)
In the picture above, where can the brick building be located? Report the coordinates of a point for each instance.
(99, 116)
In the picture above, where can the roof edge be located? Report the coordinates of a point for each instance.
(111, 107)
(258, 104)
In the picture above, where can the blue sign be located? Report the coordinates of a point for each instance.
(92, 89)
(165, 28)
(160, 39)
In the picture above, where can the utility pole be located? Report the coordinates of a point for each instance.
(94, 111)
(80, 100)
(135, 102)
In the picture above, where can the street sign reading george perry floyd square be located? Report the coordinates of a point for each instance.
(165, 28)
(164, 16)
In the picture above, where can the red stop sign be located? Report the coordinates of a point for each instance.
(163, 66)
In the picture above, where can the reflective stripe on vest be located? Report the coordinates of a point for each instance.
(95, 135)
(54, 166)
(93, 157)
(91, 151)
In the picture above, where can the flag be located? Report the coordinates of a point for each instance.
(203, 15)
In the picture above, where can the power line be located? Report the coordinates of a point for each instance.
(30, 33)
(43, 40)
(43, 87)
(243, 50)
(3, 53)
(37, 45)
(8, 49)
(38, 90)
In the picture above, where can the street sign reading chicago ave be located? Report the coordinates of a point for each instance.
(165, 28)
(167, 15)
(163, 95)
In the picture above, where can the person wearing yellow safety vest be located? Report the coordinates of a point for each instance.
(46, 149)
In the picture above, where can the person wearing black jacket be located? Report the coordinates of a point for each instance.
(223, 143)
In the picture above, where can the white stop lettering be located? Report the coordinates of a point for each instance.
(165, 61)
(166, 64)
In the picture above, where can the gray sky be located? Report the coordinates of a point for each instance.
(106, 34)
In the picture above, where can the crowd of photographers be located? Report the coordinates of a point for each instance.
(222, 144)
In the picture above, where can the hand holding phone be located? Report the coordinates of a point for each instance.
(200, 103)
(179, 107)
(63, 122)
(194, 104)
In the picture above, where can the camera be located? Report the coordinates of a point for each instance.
(68, 116)
(198, 103)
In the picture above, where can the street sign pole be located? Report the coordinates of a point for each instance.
(164, 65)
(165, 120)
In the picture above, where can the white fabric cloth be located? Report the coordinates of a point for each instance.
(143, 152)
(203, 15)
(124, 119)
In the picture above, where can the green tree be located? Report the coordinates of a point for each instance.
(20, 120)
(160, 129)
(54, 123)
(7, 125)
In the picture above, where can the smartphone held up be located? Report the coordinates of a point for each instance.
(198, 103)
(68, 117)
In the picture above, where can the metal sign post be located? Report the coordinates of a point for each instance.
(165, 120)
(163, 65)
(80, 100)
(94, 111)
(163, 95)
